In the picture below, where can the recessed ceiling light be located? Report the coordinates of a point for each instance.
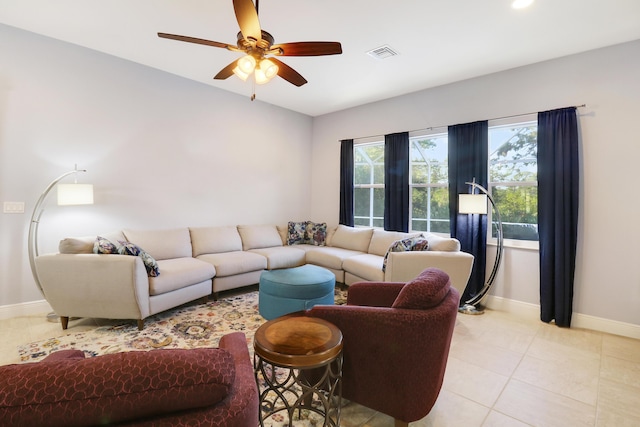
(521, 4)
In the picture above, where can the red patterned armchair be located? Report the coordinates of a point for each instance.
(396, 342)
(196, 387)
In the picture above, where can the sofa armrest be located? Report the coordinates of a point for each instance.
(91, 285)
(405, 266)
(373, 294)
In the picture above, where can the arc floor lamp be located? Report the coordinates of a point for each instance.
(477, 204)
(68, 194)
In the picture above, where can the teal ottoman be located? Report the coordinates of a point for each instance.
(294, 289)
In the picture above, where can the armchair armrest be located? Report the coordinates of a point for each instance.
(405, 266)
(91, 285)
(374, 294)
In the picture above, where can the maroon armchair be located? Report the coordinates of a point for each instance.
(396, 342)
(195, 387)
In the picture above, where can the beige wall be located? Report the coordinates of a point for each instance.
(161, 151)
(607, 274)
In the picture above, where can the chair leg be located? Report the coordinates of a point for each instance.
(140, 324)
(64, 321)
(401, 423)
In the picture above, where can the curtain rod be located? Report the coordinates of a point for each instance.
(495, 118)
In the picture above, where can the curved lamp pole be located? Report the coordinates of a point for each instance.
(35, 221)
(469, 307)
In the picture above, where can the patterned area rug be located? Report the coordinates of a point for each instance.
(189, 326)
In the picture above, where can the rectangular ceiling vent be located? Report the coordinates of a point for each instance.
(382, 52)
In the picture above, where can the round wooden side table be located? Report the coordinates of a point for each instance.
(298, 359)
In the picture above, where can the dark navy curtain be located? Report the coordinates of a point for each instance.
(346, 182)
(468, 159)
(558, 179)
(396, 182)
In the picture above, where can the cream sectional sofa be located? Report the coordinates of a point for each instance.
(198, 261)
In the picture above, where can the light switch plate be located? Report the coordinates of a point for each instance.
(13, 207)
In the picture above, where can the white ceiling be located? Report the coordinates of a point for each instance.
(439, 41)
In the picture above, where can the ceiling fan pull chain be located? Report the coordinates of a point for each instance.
(253, 88)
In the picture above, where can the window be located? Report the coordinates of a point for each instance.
(513, 178)
(368, 192)
(429, 209)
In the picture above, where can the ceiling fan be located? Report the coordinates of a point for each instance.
(259, 48)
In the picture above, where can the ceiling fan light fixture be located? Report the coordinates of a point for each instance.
(241, 74)
(247, 64)
(269, 68)
(261, 77)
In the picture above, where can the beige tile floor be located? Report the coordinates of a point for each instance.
(503, 371)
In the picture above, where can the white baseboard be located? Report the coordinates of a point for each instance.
(24, 309)
(578, 320)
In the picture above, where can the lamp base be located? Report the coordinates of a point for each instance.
(470, 309)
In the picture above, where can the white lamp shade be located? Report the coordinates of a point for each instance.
(472, 204)
(75, 194)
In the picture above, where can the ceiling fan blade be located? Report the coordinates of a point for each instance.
(247, 16)
(193, 40)
(288, 73)
(308, 48)
(227, 71)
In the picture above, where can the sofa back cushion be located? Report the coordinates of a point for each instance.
(215, 240)
(162, 244)
(381, 240)
(259, 236)
(355, 239)
(425, 291)
(114, 387)
(438, 243)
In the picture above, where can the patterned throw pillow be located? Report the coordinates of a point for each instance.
(404, 245)
(104, 246)
(296, 232)
(128, 248)
(316, 233)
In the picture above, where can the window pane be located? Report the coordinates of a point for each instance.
(513, 176)
(430, 209)
(378, 202)
(429, 160)
(513, 153)
(518, 211)
(369, 164)
(362, 202)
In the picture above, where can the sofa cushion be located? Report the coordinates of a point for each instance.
(162, 244)
(178, 273)
(84, 245)
(355, 239)
(259, 236)
(366, 266)
(329, 257)
(439, 243)
(112, 388)
(129, 248)
(316, 233)
(213, 240)
(404, 245)
(425, 291)
(104, 246)
(232, 263)
(296, 232)
(381, 240)
(282, 256)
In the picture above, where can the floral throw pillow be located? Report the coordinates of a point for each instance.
(404, 245)
(128, 248)
(316, 234)
(296, 232)
(104, 246)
